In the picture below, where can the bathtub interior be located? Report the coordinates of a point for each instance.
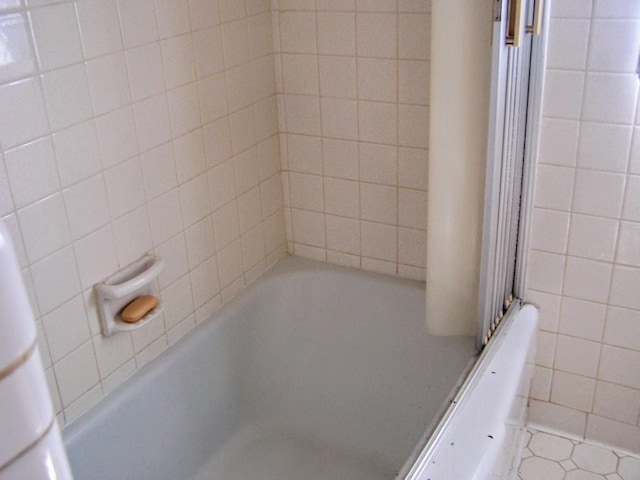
(315, 371)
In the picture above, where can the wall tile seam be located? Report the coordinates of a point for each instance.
(389, 144)
(568, 254)
(590, 169)
(363, 182)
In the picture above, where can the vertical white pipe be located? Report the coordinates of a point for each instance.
(460, 80)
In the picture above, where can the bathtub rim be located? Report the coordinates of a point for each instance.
(413, 470)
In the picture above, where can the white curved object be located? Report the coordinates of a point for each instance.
(30, 443)
(460, 68)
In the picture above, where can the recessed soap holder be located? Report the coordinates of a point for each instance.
(118, 290)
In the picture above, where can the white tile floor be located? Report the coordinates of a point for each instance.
(551, 457)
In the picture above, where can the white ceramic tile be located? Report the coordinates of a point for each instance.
(303, 114)
(619, 366)
(379, 241)
(563, 94)
(203, 13)
(165, 217)
(177, 301)
(57, 40)
(598, 193)
(108, 83)
(297, 32)
(132, 236)
(243, 130)
(616, 9)
(308, 227)
(541, 384)
(558, 142)
(413, 126)
(266, 118)
(377, 79)
(235, 43)
(337, 76)
(617, 402)
(548, 307)
(200, 242)
(550, 230)
(44, 227)
(414, 36)
(587, 279)
(208, 52)
(413, 82)
(67, 96)
(568, 43)
(230, 264)
(336, 33)
(604, 146)
(593, 237)
(112, 353)
(77, 373)
(582, 319)
(573, 391)
(146, 76)
(342, 197)
(32, 172)
(55, 279)
(376, 5)
(178, 61)
(300, 74)
(217, 142)
(194, 199)
(174, 251)
(99, 27)
(563, 419)
(239, 87)
(249, 210)
(306, 191)
(189, 155)
(87, 206)
(343, 234)
(125, 187)
(571, 9)
(624, 291)
(152, 122)
(628, 251)
(246, 171)
(66, 328)
(305, 154)
(629, 467)
(6, 199)
(204, 282)
(377, 35)
(222, 184)
(19, 59)
(76, 150)
(271, 196)
(96, 256)
(159, 170)
(611, 432)
(609, 97)
(576, 355)
(378, 163)
(377, 122)
(116, 136)
(545, 271)
(226, 226)
(412, 247)
(137, 22)
(340, 159)
(173, 17)
(623, 328)
(339, 118)
(253, 250)
(260, 35)
(631, 210)
(613, 46)
(413, 168)
(379, 203)
(378, 266)
(24, 115)
(264, 81)
(213, 99)
(412, 208)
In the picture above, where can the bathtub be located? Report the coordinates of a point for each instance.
(312, 372)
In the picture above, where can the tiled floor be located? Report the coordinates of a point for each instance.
(551, 457)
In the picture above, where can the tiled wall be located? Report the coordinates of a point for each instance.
(352, 81)
(585, 257)
(132, 126)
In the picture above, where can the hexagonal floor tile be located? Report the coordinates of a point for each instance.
(536, 468)
(629, 468)
(583, 475)
(595, 459)
(550, 446)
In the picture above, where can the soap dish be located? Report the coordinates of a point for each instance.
(118, 290)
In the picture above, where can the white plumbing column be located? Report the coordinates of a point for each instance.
(30, 443)
(459, 107)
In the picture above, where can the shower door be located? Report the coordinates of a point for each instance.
(513, 103)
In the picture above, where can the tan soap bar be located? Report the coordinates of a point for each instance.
(138, 308)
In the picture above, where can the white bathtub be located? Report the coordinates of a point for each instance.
(313, 372)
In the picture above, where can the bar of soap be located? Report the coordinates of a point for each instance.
(138, 308)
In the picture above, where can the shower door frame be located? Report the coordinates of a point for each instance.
(494, 289)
